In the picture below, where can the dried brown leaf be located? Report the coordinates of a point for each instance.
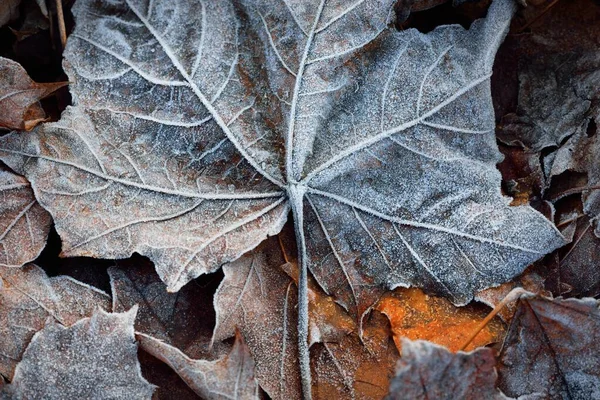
(24, 224)
(231, 377)
(415, 315)
(19, 97)
(428, 371)
(552, 350)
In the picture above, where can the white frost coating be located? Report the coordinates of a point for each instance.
(96, 358)
(194, 121)
(397, 138)
(24, 224)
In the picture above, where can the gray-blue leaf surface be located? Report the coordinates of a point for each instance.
(198, 125)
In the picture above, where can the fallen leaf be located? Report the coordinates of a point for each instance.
(552, 350)
(191, 144)
(581, 153)
(19, 97)
(28, 297)
(170, 385)
(428, 371)
(183, 319)
(355, 367)
(95, 358)
(24, 224)
(558, 72)
(231, 377)
(415, 315)
(257, 297)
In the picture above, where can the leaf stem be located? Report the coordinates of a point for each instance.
(511, 296)
(296, 197)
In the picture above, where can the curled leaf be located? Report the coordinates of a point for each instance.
(19, 96)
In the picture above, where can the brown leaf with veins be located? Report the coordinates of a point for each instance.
(259, 298)
(415, 315)
(552, 349)
(355, 367)
(28, 297)
(19, 97)
(96, 358)
(24, 224)
(230, 377)
(428, 371)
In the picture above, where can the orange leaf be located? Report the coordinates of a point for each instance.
(415, 315)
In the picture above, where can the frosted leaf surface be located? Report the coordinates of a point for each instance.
(429, 371)
(196, 122)
(19, 94)
(24, 224)
(231, 377)
(28, 297)
(94, 359)
(552, 349)
(258, 298)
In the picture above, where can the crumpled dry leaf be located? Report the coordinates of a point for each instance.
(581, 153)
(231, 377)
(96, 358)
(428, 371)
(415, 315)
(19, 97)
(552, 350)
(559, 73)
(28, 297)
(24, 224)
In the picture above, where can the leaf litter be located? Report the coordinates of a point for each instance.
(379, 143)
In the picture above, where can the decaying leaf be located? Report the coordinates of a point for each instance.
(559, 73)
(428, 371)
(552, 350)
(24, 224)
(231, 377)
(94, 359)
(9, 10)
(197, 126)
(28, 297)
(19, 97)
(415, 315)
(581, 153)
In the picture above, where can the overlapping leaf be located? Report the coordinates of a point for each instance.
(24, 224)
(552, 350)
(95, 358)
(428, 371)
(28, 297)
(20, 95)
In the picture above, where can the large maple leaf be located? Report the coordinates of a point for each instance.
(198, 125)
